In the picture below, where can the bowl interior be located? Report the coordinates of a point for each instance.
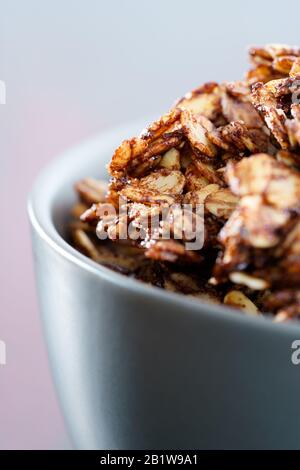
(65, 196)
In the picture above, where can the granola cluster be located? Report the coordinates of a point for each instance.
(232, 149)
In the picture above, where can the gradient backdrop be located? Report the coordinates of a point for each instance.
(73, 68)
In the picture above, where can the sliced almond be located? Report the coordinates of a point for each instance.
(240, 110)
(196, 133)
(204, 100)
(171, 160)
(221, 203)
(199, 196)
(128, 150)
(162, 125)
(163, 182)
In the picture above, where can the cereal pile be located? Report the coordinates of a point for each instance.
(231, 149)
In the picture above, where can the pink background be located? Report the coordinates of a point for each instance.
(73, 68)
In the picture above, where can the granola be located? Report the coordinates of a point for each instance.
(206, 200)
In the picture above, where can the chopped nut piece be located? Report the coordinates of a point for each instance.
(238, 300)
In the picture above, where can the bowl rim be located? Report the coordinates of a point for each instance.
(43, 224)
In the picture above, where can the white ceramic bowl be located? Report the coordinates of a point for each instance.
(139, 367)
